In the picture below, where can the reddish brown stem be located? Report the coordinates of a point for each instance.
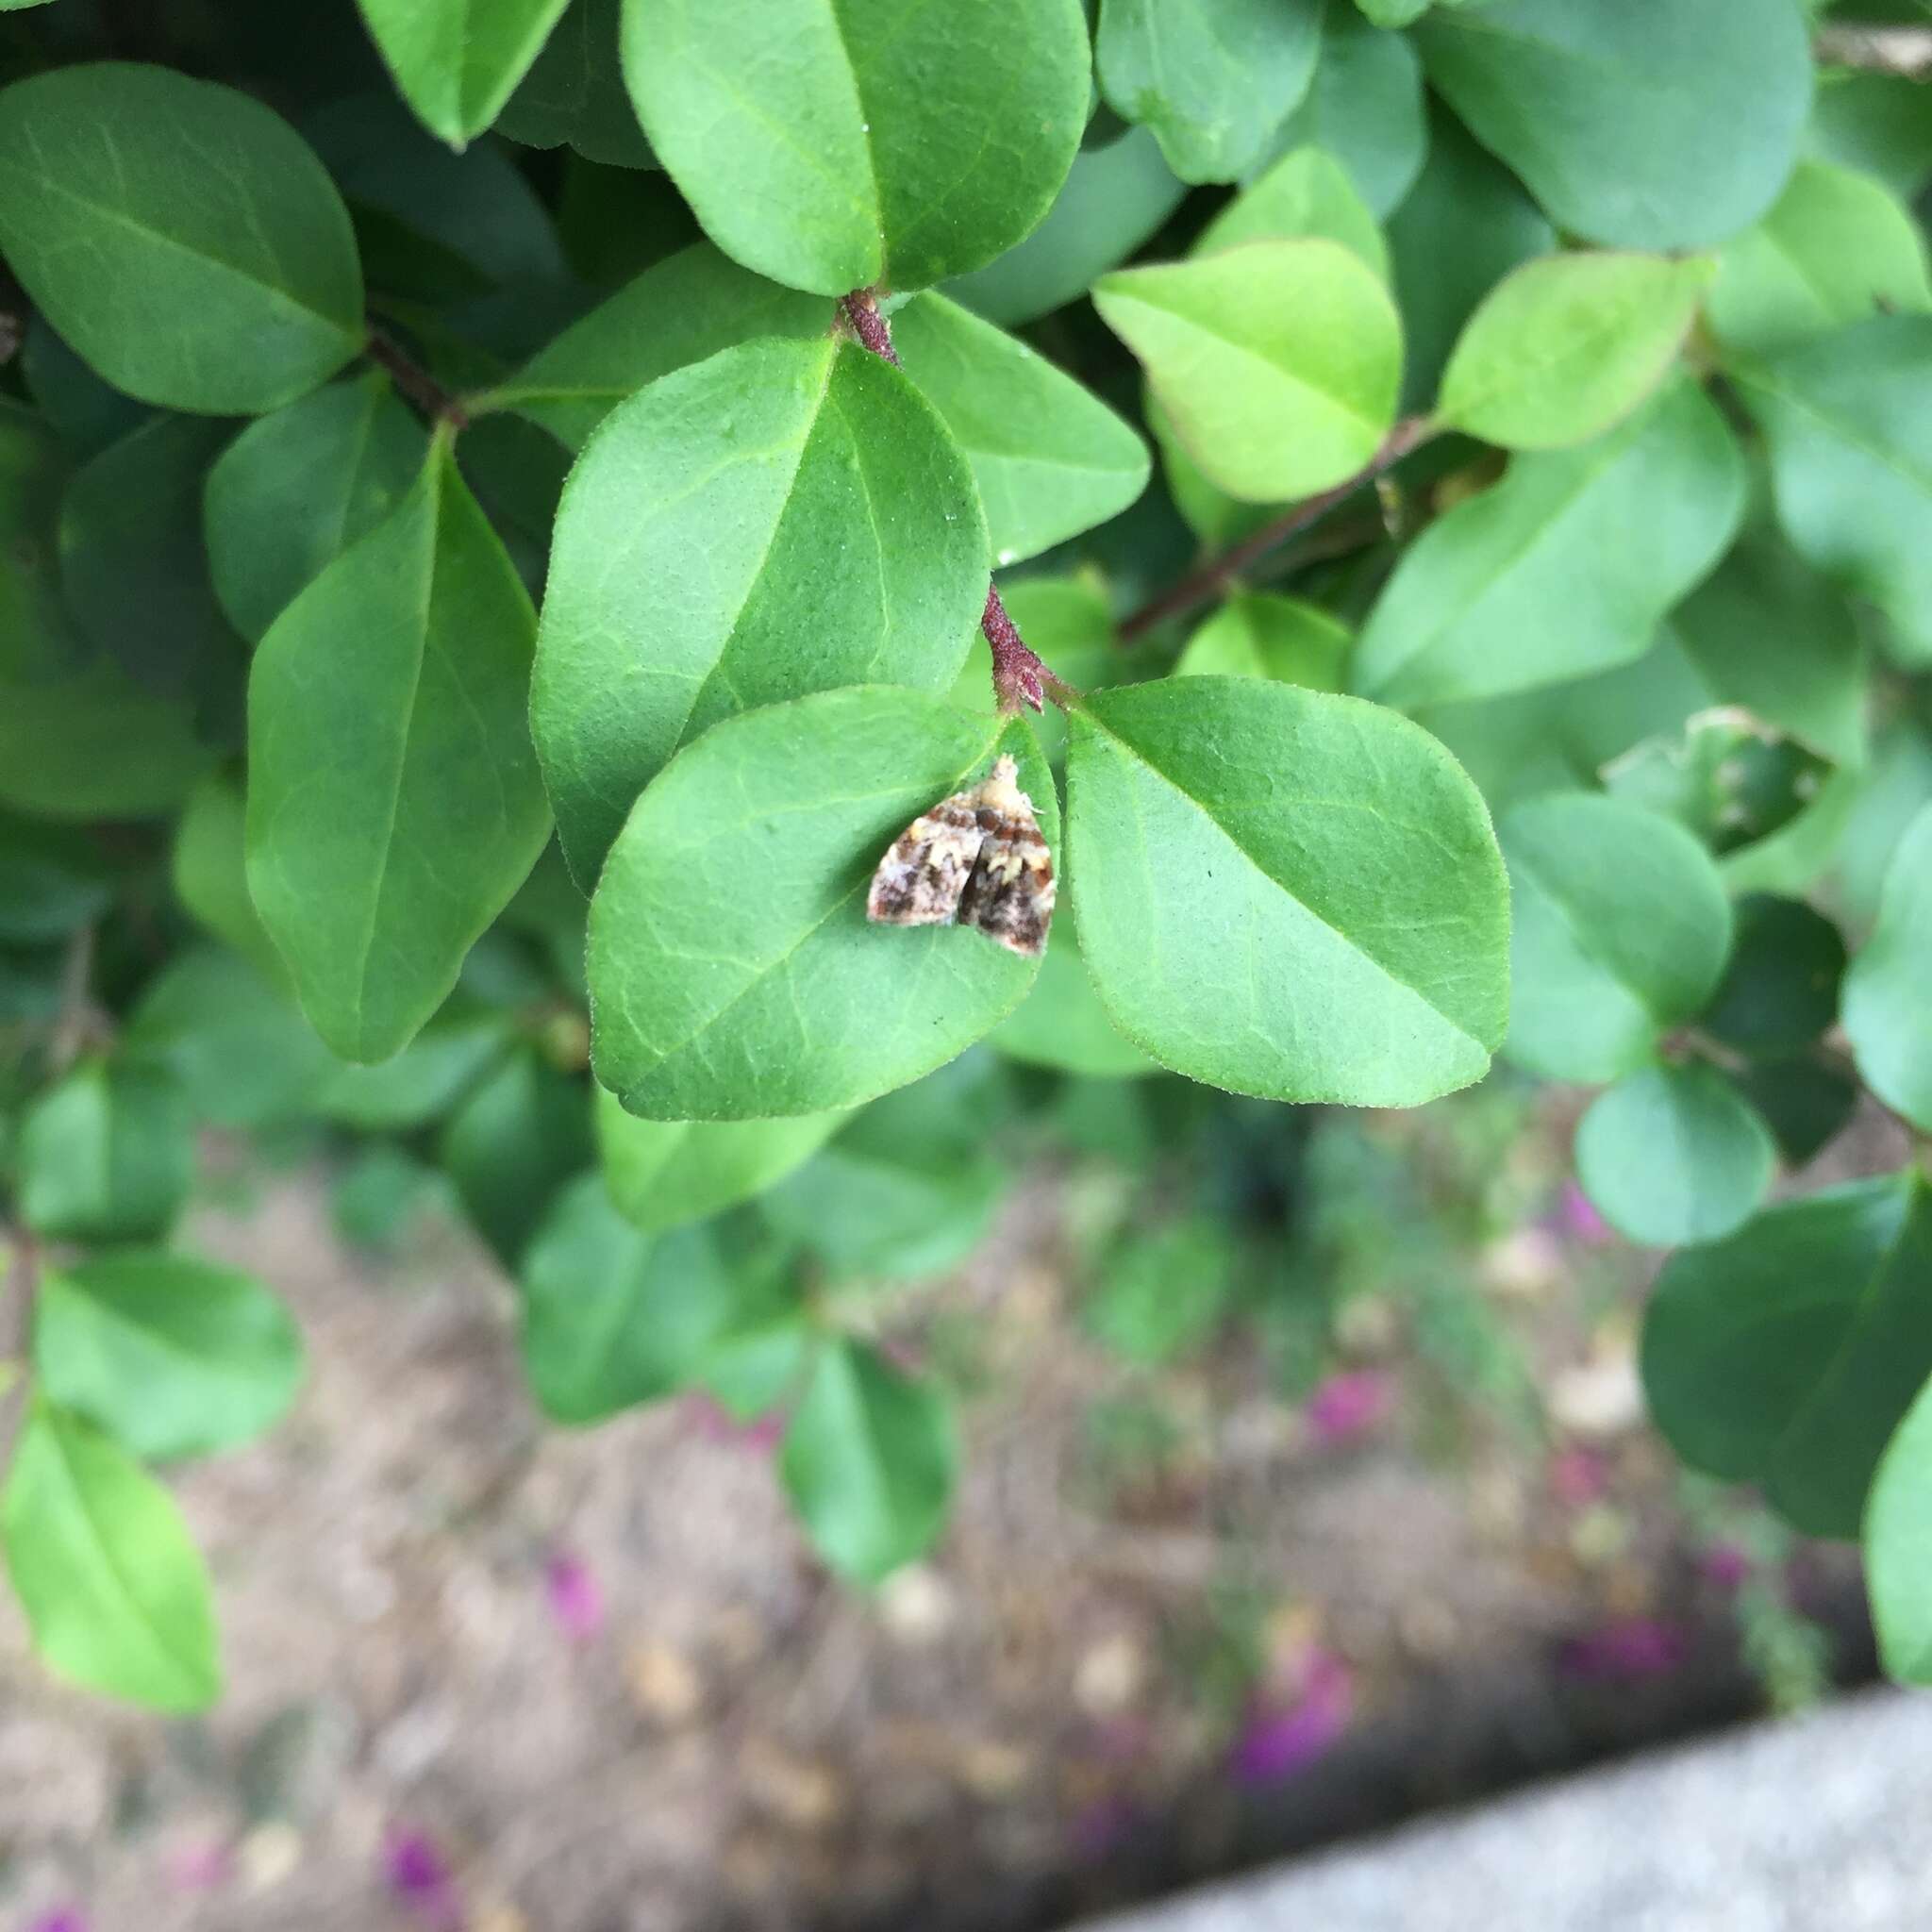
(415, 382)
(1214, 576)
(1019, 676)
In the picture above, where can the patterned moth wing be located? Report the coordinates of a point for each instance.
(1009, 894)
(926, 868)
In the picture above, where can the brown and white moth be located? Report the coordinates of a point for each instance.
(975, 858)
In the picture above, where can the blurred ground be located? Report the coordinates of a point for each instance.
(488, 1675)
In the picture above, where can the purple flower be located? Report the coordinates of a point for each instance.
(1348, 1405)
(1578, 1477)
(1724, 1565)
(62, 1919)
(576, 1602)
(1626, 1651)
(1278, 1742)
(1578, 1218)
(420, 1877)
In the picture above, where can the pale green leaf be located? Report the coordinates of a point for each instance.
(107, 1154)
(458, 60)
(1306, 192)
(1898, 1547)
(1277, 362)
(1263, 634)
(1888, 996)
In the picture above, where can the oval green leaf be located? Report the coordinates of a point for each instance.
(1786, 1355)
(456, 62)
(293, 492)
(1568, 345)
(1063, 1024)
(517, 1136)
(1621, 932)
(869, 1460)
(1284, 893)
(394, 800)
(1780, 991)
(733, 973)
(1262, 634)
(1306, 193)
(1365, 108)
(1636, 123)
(1212, 78)
(171, 1355)
(1278, 363)
(108, 1155)
(1887, 1017)
(783, 518)
(829, 153)
(1565, 567)
(1050, 458)
(1898, 1547)
(1674, 1155)
(180, 236)
(116, 1598)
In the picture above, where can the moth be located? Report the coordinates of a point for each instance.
(975, 858)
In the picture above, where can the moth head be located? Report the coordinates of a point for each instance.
(1001, 792)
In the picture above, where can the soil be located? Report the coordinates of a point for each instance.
(1034, 1723)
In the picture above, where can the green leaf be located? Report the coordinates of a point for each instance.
(1278, 362)
(179, 235)
(421, 1084)
(662, 1173)
(1673, 1154)
(210, 878)
(1621, 932)
(1805, 1103)
(1887, 1015)
(1459, 230)
(830, 155)
(680, 310)
(1236, 847)
(293, 492)
(77, 738)
(1050, 460)
(54, 879)
(785, 518)
(612, 1316)
(1848, 419)
(1063, 1024)
(1262, 634)
(733, 973)
(171, 1355)
(1113, 199)
(1786, 1355)
(1765, 632)
(908, 1187)
(1160, 1294)
(1638, 123)
(115, 1596)
(575, 92)
(1875, 123)
(1212, 78)
(1780, 991)
(1568, 345)
(456, 62)
(243, 1056)
(1898, 1549)
(1306, 193)
(106, 1156)
(1727, 777)
(517, 1136)
(1563, 568)
(870, 1461)
(1365, 108)
(133, 568)
(393, 801)
(1837, 248)
(82, 409)
(1393, 13)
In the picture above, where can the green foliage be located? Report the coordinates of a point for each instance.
(593, 306)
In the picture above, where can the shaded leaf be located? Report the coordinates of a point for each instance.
(1887, 1016)
(180, 236)
(1780, 991)
(1621, 931)
(1365, 108)
(1898, 1550)
(1063, 1024)
(517, 1136)
(1262, 634)
(575, 92)
(106, 1156)
(393, 801)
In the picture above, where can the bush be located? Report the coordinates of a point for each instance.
(424, 432)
